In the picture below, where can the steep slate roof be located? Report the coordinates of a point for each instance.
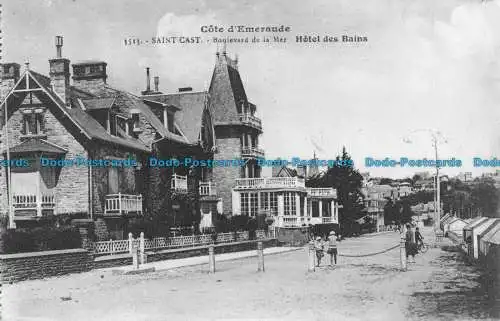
(96, 131)
(87, 125)
(189, 116)
(236, 84)
(125, 102)
(37, 145)
(226, 90)
(98, 103)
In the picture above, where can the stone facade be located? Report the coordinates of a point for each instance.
(100, 176)
(228, 148)
(72, 188)
(39, 265)
(229, 100)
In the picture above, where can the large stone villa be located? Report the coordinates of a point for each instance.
(73, 112)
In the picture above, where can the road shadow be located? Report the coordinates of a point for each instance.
(457, 290)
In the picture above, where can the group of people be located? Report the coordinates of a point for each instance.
(330, 244)
(413, 241)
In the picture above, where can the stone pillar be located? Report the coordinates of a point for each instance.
(211, 259)
(260, 256)
(306, 212)
(142, 249)
(135, 258)
(130, 242)
(332, 210)
(320, 208)
(311, 257)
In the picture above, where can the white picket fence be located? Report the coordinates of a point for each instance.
(157, 243)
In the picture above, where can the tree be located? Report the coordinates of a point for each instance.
(416, 178)
(484, 196)
(471, 199)
(348, 182)
(390, 212)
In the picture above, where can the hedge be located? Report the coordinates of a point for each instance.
(40, 239)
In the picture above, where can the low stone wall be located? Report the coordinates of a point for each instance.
(293, 236)
(39, 265)
(171, 254)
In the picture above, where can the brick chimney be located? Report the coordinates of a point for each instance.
(9, 72)
(90, 75)
(148, 83)
(157, 84)
(59, 73)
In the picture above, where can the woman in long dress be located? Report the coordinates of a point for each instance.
(410, 244)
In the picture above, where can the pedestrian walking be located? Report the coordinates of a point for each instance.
(410, 245)
(419, 238)
(332, 247)
(319, 247)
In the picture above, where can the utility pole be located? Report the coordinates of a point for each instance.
(438, 187)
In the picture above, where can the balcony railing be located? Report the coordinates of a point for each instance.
(30, 205)
(322, 192)
(179, 183)
(292, 221)
(326, 220)
(251, 120)
(299, 221)
(270, 182)
(207, 189)
(119, 204)
(252, 151)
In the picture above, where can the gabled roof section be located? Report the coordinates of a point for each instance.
(285, 171)
(189, 116)
(226, 90)
(125, 102)
(493, 235)
(37, 145)
(76, 121)
(475, 222)
(98, 132)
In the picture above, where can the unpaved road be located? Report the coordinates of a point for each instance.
(440, 286)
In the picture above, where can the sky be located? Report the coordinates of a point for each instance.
(427, 66)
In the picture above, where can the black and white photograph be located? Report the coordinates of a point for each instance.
(249, 160)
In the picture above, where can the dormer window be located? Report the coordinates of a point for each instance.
(135, 122)
(112, 124)
(32, 123)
